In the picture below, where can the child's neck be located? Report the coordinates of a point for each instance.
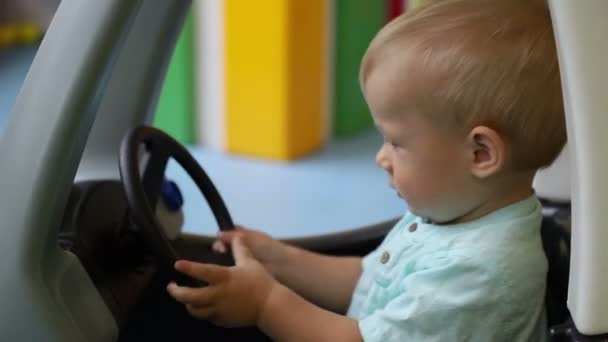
(502, 195)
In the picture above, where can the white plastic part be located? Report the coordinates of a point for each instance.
(553, 183)
(171, 220)
(210, 99)
(582, 37)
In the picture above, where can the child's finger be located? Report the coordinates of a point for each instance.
(210, 273)
(240, 251)
(241, 229)
(228, 236)
(218, 246)
(191, 296)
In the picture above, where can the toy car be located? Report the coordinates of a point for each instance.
(85, 259)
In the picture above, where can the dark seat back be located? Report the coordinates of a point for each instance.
(555, 231)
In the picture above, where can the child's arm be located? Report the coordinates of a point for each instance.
(328, 281)
(325, 280)
(246, 294)
(288, 317)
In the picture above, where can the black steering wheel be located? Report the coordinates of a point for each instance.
(142, 191)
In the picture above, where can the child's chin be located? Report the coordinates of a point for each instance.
(417, 212)
(412, 210)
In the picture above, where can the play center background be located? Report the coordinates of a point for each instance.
(265, 95)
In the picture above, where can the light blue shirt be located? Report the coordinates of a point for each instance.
(477, 281)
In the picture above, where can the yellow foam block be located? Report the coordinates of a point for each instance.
(29, 33)
(23, 33)
(275, 53)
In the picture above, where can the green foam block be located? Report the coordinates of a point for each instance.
(176, 107)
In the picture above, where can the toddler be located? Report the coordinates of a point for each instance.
(468, 98)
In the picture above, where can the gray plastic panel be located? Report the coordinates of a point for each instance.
(136, 81)
(45, 293)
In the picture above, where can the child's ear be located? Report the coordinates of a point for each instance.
(488, 151)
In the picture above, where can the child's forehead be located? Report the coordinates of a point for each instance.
(397, 84)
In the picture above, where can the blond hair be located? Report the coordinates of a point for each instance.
(492, 62)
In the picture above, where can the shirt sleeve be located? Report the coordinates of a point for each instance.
(449, 300)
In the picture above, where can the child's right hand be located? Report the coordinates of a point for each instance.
(265, 249)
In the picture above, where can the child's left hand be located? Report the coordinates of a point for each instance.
(235, 296)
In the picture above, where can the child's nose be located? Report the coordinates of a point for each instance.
(382, 159)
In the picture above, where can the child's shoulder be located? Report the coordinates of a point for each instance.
(508, 238)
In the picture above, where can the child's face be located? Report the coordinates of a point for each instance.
(427, 163)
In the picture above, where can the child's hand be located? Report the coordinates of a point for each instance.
(235, 296)
(264, 248)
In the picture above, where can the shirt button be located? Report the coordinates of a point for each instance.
(413, 227)
(385, 257)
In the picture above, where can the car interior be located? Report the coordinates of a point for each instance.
(128, 256)
(87, 255)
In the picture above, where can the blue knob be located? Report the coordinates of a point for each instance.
(171, 195)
